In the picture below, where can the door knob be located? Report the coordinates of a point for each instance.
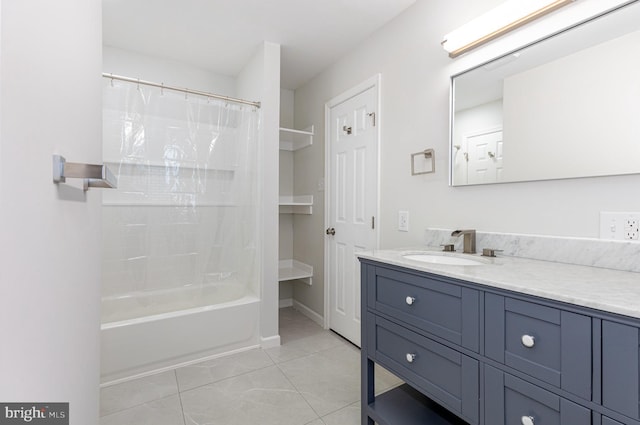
(331, 231)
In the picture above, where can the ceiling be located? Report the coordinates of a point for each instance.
(222, 35)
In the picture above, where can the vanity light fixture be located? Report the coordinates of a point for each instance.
(507, 17)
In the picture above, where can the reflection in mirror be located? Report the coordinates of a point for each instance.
(565, 107)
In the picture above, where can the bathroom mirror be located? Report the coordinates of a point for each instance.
(565, 107)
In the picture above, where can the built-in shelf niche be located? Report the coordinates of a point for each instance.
(301, 204)
(292, 140)
(295, 270)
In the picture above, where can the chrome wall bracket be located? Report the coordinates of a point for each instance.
(92, 174)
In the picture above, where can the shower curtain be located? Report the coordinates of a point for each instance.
(181, 230)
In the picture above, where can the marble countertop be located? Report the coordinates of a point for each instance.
(608, 290)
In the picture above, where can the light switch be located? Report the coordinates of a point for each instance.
(403, 221)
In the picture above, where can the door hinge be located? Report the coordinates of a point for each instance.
(373, 222)
(373, 118)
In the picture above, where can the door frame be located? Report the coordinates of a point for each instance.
(372, 82)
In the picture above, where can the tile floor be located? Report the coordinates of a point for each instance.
(313, 378)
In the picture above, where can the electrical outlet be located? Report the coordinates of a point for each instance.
(403, 221)
(620, 226)
(631, 229)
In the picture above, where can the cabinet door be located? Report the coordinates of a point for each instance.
(510, 400)
(443, 374)
(443, 309)
(544, 342)
(620, 377)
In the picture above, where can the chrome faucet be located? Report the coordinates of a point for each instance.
(469, 240)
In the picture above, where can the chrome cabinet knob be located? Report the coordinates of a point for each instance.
(527, 420)
(410, 357)
(528, 341)
(410, 300)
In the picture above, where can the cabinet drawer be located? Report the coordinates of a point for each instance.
(443, 374)
(510, 400)
(547, 343)
(620, 368)
(443, 309)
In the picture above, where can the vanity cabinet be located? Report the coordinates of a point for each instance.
(428, 304)
(444, 374)
(620, 363)
(510, 400)
(544, 342)
(477, 355)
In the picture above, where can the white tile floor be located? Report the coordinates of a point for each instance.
(313, 378)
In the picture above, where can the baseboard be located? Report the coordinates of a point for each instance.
(308, 312)
(286, 302)
(270, 342)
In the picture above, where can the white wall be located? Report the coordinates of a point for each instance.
(415, 115)
(50, 254)
(596, 94)
(260, 80)
(159, 70)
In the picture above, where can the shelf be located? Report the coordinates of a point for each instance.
(130, 166)
(404, 405)
(294, 270)
(292, 140)
(302, 204)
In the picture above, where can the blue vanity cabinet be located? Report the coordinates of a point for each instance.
(476, 355)
(510, 400)
(417, 326)
(440, 372)
(427, 303)
(544, 342)
(620, 368)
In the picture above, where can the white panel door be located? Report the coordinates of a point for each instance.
(484, 160)
(353, 201)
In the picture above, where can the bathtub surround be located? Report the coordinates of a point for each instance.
(180, 231)
(616, 255)
(143, 346)
(192, 279)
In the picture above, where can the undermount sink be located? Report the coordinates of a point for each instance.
(435, 258)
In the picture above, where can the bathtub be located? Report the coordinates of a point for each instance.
(137, 346)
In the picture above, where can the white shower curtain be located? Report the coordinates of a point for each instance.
(181, 229)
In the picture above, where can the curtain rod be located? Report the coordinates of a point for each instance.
(185, 90)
